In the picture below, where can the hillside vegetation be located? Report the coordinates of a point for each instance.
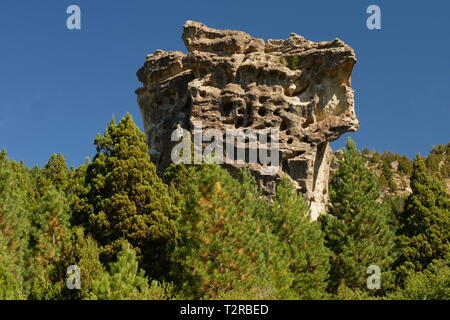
(199, 233)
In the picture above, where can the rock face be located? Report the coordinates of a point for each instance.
(230, 80)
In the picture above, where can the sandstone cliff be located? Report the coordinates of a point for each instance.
(230, 80)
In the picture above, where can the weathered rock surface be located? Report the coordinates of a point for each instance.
(229, 79)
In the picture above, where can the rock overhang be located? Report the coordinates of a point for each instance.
(230, 80)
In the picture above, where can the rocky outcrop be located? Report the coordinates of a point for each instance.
(230, 80)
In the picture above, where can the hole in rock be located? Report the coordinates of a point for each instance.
(262, 111)
(249, 110)
(285, 166)
(306, 123)
(263, 99)
(187, 105)
(227, 108)
(239, 122)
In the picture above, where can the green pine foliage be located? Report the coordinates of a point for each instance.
(302, 241)
(387, 176)
(432, 284)
(224, 247)
(126, 202)
(56, 172)
(357, 228)
(16, 203)
(202, 232)
(237, 244)
(51, 231)
(125, 281)
(439, 161)
(424, 226)
(84, 252)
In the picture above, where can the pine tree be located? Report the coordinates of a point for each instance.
(56, 172)
(83, 252)
(432, 284)
(125, 200)
(276, 259)
(225, 248)
(424, 230)
(51, 230)
(78, 190)
(357, 228)
(302, 240)
(16, 203)
(126, 281)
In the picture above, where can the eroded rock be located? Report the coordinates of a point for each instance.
(230, 80)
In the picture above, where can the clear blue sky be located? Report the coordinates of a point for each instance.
(59, 88)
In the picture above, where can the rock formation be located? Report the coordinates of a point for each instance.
(230, 80)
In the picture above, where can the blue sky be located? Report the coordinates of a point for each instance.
(59, 88)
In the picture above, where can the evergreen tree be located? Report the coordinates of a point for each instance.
(52, 226)
(125, 200)
(11, 274)
(225, 248)
(56, 172)
(432, 284)
(126, 281)
(357, 228)
(302, 240)
(276, 259)
(78, 189)
(424, 230)
(51, 230)
(16, 202)
(83, 252)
